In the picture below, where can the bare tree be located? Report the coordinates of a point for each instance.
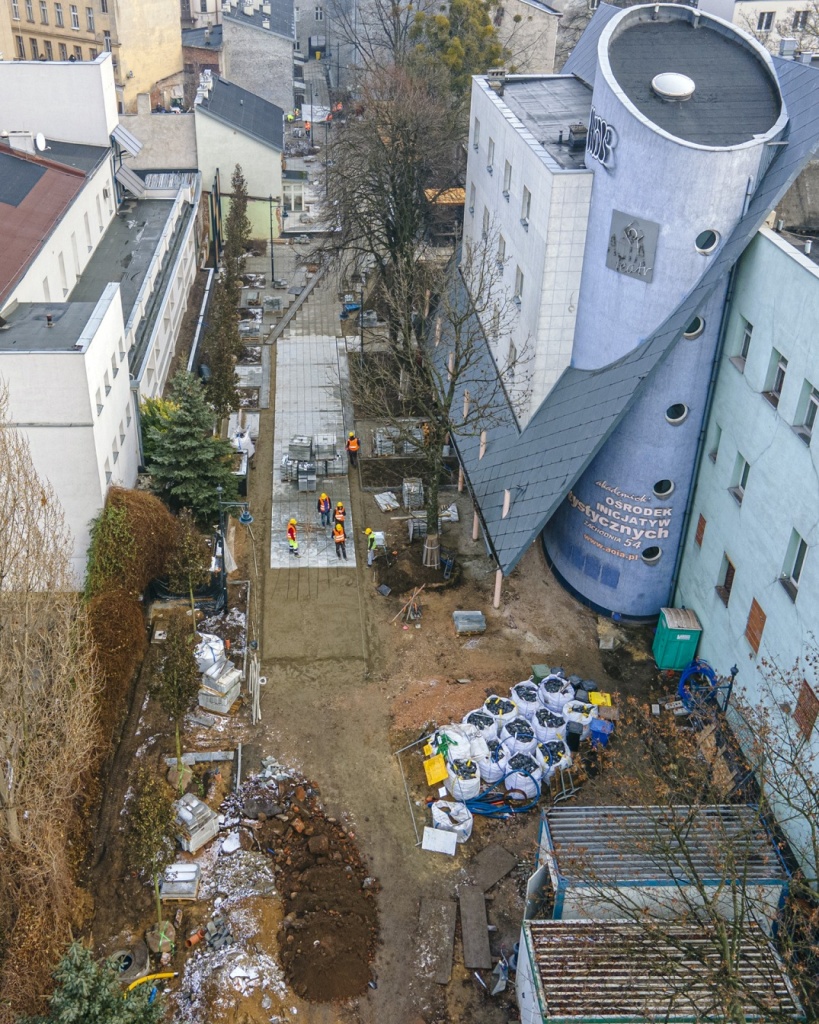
(377, 31)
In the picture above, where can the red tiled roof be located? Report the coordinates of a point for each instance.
(24, 228)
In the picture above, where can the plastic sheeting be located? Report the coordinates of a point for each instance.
(453, 817)
(209, 652)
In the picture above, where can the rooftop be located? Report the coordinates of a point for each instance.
(28, 329)
(735, 96)
(281, 18)
(245, 111)
(210, 38)
(615, 971)
(124, 252)
(546, 106)
(70, 154)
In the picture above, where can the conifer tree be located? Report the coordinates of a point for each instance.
(222, 347)
(237, 235)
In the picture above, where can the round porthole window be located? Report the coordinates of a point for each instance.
(677, 413)
(663, 488)
(652, 555)
(707, 241)
(695, 328)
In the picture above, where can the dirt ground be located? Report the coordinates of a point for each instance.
(345, 688)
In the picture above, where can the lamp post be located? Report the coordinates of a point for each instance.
(245, 518)
(272, 263)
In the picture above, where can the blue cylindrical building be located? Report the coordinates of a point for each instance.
(685, 108)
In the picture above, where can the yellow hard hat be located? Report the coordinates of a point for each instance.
(323, 495)
(368, 531)
(292, 522)
(352, 433)
(340, 504)
(339, 528)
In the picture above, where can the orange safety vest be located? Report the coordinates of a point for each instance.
(338, 536)
(340, 515)
(324, 506)
(353, 444)
(291, 532)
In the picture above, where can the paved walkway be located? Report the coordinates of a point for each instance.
(310, 365)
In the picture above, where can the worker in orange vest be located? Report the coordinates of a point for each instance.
(325, 509)
(291, 538)
(341, 541)
(340, 516)
(353, 444)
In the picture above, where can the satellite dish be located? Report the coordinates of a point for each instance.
(39, 141)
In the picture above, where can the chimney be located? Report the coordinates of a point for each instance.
(808, 246)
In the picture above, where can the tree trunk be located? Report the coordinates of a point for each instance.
(432, 549)
(158, 903)
(193, 603)
(179, 766)
(13, 827)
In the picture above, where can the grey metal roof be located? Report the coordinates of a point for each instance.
(130, 180)
(281, 17)
(735, 96)
(28, 330)
(616, 971)
(249, 113)
(130, 143)
(547, 107)
(620, 844)
(17, 178)
(541, 463)
(583, 58)
(206, 38)
(72, 154)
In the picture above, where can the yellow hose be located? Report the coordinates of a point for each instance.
(151, 977)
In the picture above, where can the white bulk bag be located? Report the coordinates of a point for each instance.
(556, 754)
(458, 745)
(502, 709)
(548, 725)
(208, 652)
(518, 736)
(481, 719)
(493, 766)
(463, 779)
(526, 697)
(554, 691)
(524, 773)
(577, 711)
(452, 817)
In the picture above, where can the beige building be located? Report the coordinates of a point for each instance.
(528, 30)
(144, 39)
(770, 21)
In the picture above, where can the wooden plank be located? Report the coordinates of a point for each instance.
(474, 929)
(436, 939)
(490, 866)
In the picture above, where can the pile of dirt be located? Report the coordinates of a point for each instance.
(328, 936)
(405, 572)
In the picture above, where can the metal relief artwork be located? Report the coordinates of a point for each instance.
(632, 246)
(601, 140)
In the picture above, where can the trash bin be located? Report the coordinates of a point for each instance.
(676, 640)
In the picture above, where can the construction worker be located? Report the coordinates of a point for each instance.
(341, 541)
(353, 444)
(371, 544)
(340, 517)
(291, 538)
(325, 509)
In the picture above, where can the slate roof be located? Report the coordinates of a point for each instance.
(541, 463)
(281, 18)
(246, 112)
(201, 37)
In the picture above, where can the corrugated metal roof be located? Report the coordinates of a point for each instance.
(680, 618)
(541, 463)
(661, 844)
(613, 971)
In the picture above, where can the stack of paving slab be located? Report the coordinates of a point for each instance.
(300, 448)
(412, 493)
(220, 687)
(467, 622)
(197, 824)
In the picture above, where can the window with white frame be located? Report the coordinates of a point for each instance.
(89, 18)
(29, 10)
(476, 134)
(59, 20)
(293, 197)
(501, 250)
(319, 13)
(800, 21)
(63, 51)
(739, 479)
(764, 23)
(525, 207)
(49, 50)
(472, 198)
(511, 362)
(507, 179)
(775, 379)
(806, 412)
(15, 9)
(485, 225)
(794, 564)
(490, 155)
(43, 12)
(518, 296)
(75, 16)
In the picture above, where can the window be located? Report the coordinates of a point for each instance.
(707, 241)
(121, 433)
(29, 11)
(107, 384)
(106, 41)
(107, 471)
(293, 197)
(58, 16)
(87, 231)
(793, 564)
(806, 412)
(800, 21)
(203, 6)
(764, 23)
(99, 401)
(700, 531)
(43, 12)
(128, 414)
(490, 155)
(511, 362)
(507, 179)
(104, 6)
(741, 356)
(754, 626)
(46, 290)
(726, 580)
(501, 250)
(476, 134)
(714, 449)
(21, 48)
(115, 450)
(518, 296)
(49, 50)
(89, 18)
(485, 227)
(63, 51)
(77, 53)
(776, 378)
(114, 367)
(15, 9)
(664, 488)
(525, 207)
(807, 710)
(93, 53)
(35, 52)
(75, 16)
(319, 14)
(742, 469)
(472, 198)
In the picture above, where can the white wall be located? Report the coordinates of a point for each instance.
(68, 102)
(219, 145)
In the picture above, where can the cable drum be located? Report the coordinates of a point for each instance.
(501, 709)
(548, 725)
(554, 691)
(524, 775)
(483, 721)
(582, 714)
(525, 696)
(493, 767)
(463, 779)
(518, 736)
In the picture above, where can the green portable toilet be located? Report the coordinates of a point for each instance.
(676, 639)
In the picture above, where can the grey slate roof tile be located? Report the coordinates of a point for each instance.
(246, 112)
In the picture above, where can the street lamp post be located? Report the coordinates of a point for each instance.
(272, 263)
(245, 518)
